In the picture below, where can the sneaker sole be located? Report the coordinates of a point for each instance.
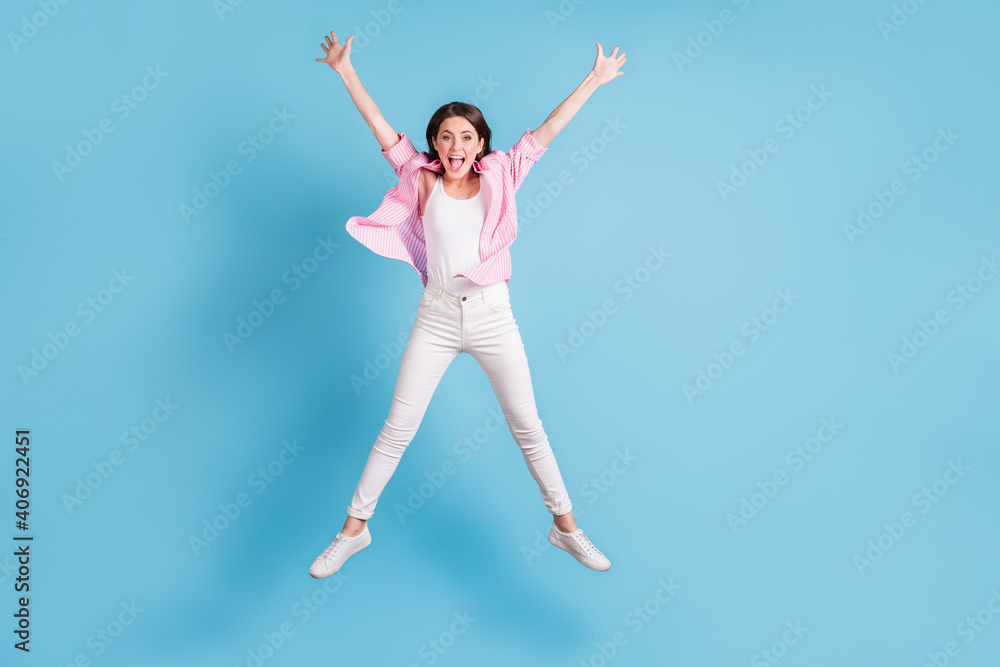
(361, 545)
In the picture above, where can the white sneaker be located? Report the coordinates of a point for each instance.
(581, 548)
(342, 548)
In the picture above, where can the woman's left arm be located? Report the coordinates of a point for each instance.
(605, 69)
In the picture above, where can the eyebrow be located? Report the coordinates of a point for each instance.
(462, 132)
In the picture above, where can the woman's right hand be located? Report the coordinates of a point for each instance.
(337, 56)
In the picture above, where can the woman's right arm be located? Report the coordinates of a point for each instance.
(339, 58)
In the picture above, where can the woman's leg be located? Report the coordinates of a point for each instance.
(425, 359)
(503, 359)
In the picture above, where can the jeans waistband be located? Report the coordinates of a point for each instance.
(486, 294)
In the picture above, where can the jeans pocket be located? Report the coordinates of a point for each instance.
(428, 299)
(499, 302)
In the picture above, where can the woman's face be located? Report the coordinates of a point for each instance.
(456, 138)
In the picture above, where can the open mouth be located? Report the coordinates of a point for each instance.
(456, 163)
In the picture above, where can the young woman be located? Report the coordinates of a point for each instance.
(452, 217)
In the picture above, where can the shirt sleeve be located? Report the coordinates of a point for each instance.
(523, 156)
(399, 154)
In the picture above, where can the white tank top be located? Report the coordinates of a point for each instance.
(452, 228)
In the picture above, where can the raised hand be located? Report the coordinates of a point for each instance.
(606, 68)
(337, 56)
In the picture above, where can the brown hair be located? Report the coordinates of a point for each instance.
(467, 111)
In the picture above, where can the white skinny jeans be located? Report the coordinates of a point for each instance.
(446, 325)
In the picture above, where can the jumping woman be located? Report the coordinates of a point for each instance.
(452, 217)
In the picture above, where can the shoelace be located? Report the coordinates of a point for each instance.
(584, 541)
(331, 550)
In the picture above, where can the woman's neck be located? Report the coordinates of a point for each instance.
(458, 183)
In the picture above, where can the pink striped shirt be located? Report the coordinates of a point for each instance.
(396, 230)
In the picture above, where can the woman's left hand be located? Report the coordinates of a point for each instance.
(606, 68)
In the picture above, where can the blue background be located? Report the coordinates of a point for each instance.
(683, 127)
